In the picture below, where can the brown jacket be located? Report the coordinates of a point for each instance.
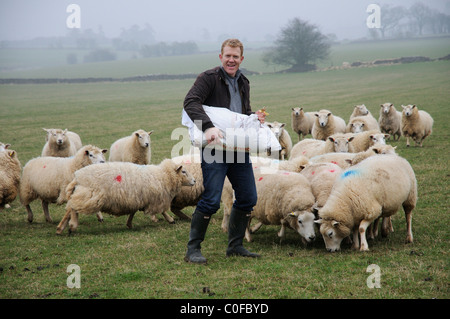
(210, 88)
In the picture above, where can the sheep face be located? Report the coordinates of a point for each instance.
(187, 179)
(361, 110)
(323, 118)
(303, 223)
(357, 127)
(95, 155)
(340, 144)
(386, 107)
(56, 136)
(143, 138)
(379, 138)
(296, 111)
(333, 232)
(408, 110)
(276, 128)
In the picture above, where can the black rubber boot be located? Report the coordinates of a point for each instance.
(236, 232)
(199, 224)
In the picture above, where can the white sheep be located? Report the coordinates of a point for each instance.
(390, 120)
(46, 177)
(135, 148)
(302, 122)
(376, 149)
(362, 141)
(416, 124)
(10, 169)
(283, 138)
(4, 146)
(360, 110)
(290, 206)
(327, 124)
(312, 147)
(61, 143)
(340, 159)
(360, 124)
(376, 187)
(123, 188)
(322, 177)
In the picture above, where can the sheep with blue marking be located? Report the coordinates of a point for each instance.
(376, 187)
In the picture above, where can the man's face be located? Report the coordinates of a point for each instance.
(231, 59)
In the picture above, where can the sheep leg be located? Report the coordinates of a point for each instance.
(130, 220)
(73, 223)
(362, 232)
(282, 231)
(408, 216)
(407, 141)
(46, 213)
(355, 245)
(385, 227)
(180, 214)
(248, 235)
(169, 219)
(63, 223)
(226, 218)
(100, 217)
(255, 228)
(30, 213)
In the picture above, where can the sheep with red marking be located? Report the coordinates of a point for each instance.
(46, 177)
(327, 124)
(376, 187)
(416, 124)
(9, 177)
(123, 188)
(302, 122)
(322, 177)
(61, 143)
(135, 148)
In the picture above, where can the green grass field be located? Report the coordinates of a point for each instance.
(147, 261)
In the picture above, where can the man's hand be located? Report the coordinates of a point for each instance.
(213, 135)
(262, 115)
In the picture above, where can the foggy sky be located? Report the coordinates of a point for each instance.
(184, 20)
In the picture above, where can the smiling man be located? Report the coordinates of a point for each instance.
(224, 86)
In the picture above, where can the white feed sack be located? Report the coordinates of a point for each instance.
(240, 132)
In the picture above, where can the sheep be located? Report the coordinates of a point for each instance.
(261, 165)
(340, 159)
(10, 169)
(188, 195)
(360, 124)
(4, 146)
(311, 147)
(416, 124)
(283, 138)
(360, 110)
(390, 120)
(377, 149)
(46, 177)
(322, 177)
(302, 122)
(291, 205)
(376, 187)
(61, 143)
(122, 188)
(327, 124)
(135, 148)
(362, 141)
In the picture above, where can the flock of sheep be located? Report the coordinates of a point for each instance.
(344, 179)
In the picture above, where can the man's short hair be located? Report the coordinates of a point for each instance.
(234, 43)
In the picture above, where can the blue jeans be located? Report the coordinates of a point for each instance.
(238, 168)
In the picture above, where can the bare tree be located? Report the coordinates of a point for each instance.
(420, 14)
(390, 18)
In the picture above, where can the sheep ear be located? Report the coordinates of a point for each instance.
(104, 151)
(394, 147)
(329, 114)
(350, 138)
(392, 104)
(302, 166)
(331, 138)
(11, 153)
(292, 214)
(316, 114)
(301, 109)
(386, 135)
(414, 106)
(292, 109)
(282, 124)
(318, 221)
(335, 223)
(348, 161)
(137, 134)
(7, 145)
(150, 133)
(376, 150)
(403, 106)
(178, 169)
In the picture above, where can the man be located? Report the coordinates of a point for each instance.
(227, 87)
